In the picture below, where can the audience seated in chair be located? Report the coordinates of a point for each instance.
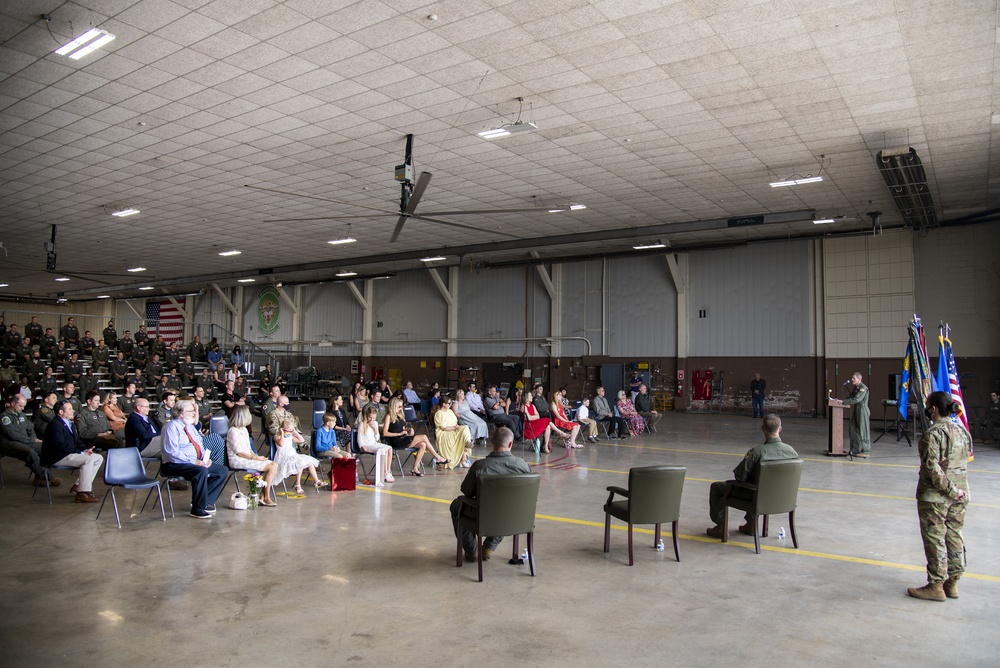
(242, 457)
(184, 456)
(747, 471)
(62, 446)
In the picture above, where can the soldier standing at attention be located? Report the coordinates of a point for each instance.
(70, 334)
(110, 335)
(942, 497)
(757, 387)
(861, 437)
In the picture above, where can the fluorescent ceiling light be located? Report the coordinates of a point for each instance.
(104, 296)
(91, 40)
(345, 274)
(62, 279)
(345, 240)
(125, 212)
(136, 269)
(648, 246)
(508, 130)
(824, 221)
(246, 280)
(61, 300)
(148, 287)
(796, 182)
(436, 258)
(230, 252)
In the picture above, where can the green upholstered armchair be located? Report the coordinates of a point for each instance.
(653, 497)
(504, 506)
(776, 491)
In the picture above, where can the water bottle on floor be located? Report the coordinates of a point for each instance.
(781, 533)
(659, 545)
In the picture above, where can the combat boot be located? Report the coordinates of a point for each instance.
(929, 592)
(951, 586)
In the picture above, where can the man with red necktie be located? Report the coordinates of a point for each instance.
(185, 456)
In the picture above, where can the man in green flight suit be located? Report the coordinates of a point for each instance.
(861, 437)
(746, 471)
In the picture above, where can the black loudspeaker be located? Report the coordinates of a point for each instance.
(895, 386)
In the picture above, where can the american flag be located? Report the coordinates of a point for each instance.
(164, 319)
(947, 377)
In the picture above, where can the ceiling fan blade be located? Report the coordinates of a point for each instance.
(411, 204)
(79, 277)
(492, 211)
(321, 199)
(339, 217)
(464, 226)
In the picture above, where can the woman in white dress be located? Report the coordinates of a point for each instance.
(289, 461)
(477, 426)
(242, 457)
(368, 433)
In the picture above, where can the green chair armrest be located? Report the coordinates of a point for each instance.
(618, 490)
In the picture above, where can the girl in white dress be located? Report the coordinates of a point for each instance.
(368, 433)
(291, 462)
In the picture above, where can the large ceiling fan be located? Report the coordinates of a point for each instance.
(409, 198)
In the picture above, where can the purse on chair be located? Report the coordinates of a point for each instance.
(239, 501)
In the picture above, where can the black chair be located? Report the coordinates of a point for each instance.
(123, 467)
(504, 506)
(776, 491)
(653, 497)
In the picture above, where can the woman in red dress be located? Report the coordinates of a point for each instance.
(560, 420)
(536, 426)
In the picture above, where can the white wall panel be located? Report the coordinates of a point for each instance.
(332, 314)
(958, 282)
(756, 301)
(501, 304)
(409, 306)
(642, 308)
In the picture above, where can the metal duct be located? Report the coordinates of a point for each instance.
(907, 181)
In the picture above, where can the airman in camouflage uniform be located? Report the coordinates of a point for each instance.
(942, 498)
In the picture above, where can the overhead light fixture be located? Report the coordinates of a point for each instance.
(436, 258)
(345, 240)
(228, 253)
(346, 274)
(89, 41)
(796, 182)
(62, 279)
(135, 270)
(61, 300)
(824, 221)
(508, 129)
(104, 296)
(246, 280)
(147, 287)
(125, 212)
(649, 246)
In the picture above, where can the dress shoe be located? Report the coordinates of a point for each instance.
(85, 497)
(714, 532)
(746, 529)
(55, 482)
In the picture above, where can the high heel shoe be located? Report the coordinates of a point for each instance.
(418, 474)
(298, 489)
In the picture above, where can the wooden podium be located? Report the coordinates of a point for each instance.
(835, 441)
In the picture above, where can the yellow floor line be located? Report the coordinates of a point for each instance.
(708, 539)
(808, 459)
(801, 489)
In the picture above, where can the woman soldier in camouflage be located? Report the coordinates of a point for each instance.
(942, 497)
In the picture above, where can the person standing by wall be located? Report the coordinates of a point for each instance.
(757, 387)
(942, 498)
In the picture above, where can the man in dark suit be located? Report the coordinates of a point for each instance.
(62, 446)
(141, 432)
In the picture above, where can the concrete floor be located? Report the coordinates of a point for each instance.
(369, 577)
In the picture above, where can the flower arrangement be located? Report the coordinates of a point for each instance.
(256, 484)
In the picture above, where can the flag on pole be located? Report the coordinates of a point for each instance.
(164, 318)
(947, 378)
(917, 377)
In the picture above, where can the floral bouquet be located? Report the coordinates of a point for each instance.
(256, 484)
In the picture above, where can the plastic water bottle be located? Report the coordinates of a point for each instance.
(781, 533)
(659, 545)
(524, 555)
